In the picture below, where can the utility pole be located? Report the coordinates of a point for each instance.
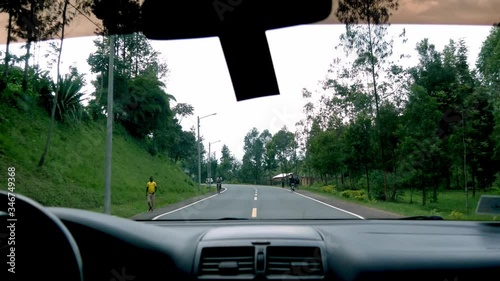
(199, 150)
(199, 156)
(465, 166)
(109, 128)
(209, 166)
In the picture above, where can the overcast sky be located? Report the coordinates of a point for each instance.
(302, 55)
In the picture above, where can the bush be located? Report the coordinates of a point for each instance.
(316, 185)
(434, 212)
(360, 197)
(189, 182)
(496, 183)
(234, 181)
(361, 183)
(328, 189)
(356, 194)
(379, 194)
(455, 215)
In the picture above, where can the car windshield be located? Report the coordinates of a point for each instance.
(372, 121)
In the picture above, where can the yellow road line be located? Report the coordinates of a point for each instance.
(254, 212)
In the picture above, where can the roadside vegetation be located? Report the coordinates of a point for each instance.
(451, 205)
(73, 175)
(422, 133)
(54, 134)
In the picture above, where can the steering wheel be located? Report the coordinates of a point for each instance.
(35, 242)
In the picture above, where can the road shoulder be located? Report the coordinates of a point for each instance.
(364, 211)
(171, 207)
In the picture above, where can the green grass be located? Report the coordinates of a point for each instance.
(448, 202)
(73, 174)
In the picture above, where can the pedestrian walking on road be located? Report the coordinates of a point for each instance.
(150, 193)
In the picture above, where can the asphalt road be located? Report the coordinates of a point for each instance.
(256, 202)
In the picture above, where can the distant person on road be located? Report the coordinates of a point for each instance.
(219, 184)
(291, 182)
(150, 193)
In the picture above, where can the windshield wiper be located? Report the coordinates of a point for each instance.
(231, 219)
(424, 218)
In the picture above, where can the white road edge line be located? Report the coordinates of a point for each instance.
(189, 205)
(342, 210)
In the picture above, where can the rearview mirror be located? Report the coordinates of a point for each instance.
(240, 26)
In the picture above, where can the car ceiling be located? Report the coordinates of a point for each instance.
(448, 12)
(248, 50)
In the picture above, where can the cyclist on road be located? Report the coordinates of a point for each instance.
(291, 182)
(219, 184)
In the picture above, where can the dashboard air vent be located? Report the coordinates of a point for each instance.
(229, 261)
(294, 261)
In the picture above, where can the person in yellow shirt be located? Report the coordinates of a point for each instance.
(150, 193)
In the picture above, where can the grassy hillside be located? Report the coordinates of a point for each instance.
(73, 175)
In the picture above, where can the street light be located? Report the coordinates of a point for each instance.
(199, 150)
(209, 166)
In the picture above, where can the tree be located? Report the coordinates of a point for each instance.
(190, 162)
(283, 146)
(179, 144)
(139, 94)
(488, 66)
(227, 164)
(327, 153)
(370, 44)
(37, 20)
(13, 8)
(371, 12)
(144, 61)
(437, 73)
(420, 145)
(478, 131)
(66, 19)
(359, 140)
(69, 96)
(58, 89)
(255, 143)
(145, 108)
(488, 61)
(183, 110)
(117, 16)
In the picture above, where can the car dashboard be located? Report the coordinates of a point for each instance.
(115, 248)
